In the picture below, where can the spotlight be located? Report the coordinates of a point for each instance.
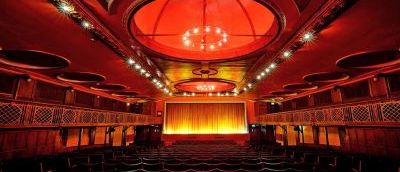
(287, 54)
(262, 73)
(249, 85)
(142, 71)
(128, 104)
(184, 94)
(267, 70)
(308, 36)
(193, 94)
(85, 24)
(272, 65)
(170, 94)
(66, 8)
(226, 94)
(210, 94)
(245, 89)
(137, 66)
(258, 77)
(131, 61)
(147, 75)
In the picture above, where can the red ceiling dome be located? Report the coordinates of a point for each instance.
(204, 29)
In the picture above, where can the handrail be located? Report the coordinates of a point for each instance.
(21, 114)
(375, 112)
(59, 105)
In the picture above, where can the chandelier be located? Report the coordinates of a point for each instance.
(205, 88)
(205, 38)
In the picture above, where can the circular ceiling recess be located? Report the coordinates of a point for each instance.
(30, 59)
(125, 93)
(370, 60)
(205, 85)
(326, 77)
(108, 87)
(209, 71)
(283, 93)
(300, 87)
(203, 29)
(81, 77)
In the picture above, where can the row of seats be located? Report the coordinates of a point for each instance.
(185, 157)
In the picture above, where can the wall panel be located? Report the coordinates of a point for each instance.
(99, 135)
(73, 137)
(117, 139)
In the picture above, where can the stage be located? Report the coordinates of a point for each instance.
(241, 139)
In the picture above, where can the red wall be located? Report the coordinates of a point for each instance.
(373, 141)
(26, 143)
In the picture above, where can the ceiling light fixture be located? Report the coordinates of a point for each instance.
(307, 37)
(205, 87)
(85, 24)
(194, 38)
(66, 8)
(131, 61)
(287, 54)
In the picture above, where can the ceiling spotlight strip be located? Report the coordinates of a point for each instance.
(335, 9)
(134, 61)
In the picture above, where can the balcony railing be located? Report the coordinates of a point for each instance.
(370, 113)
(17, 114)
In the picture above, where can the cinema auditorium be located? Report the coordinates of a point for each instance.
(199, 85)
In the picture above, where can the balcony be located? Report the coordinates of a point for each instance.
(21, 114)
(383, 112)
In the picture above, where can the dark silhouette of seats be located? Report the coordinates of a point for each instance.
(251, 166)
(228, 167)
(152, 167)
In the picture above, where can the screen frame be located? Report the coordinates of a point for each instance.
(206, 102)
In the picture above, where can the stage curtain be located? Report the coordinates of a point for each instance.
(205, 118)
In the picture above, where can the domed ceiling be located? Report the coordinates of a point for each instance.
(204, 29)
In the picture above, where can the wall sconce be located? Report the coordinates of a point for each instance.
(70, 89)
(25, 77)
(337, 87)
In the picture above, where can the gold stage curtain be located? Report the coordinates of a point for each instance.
(205, 118)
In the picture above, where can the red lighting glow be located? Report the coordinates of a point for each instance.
(204, 29)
